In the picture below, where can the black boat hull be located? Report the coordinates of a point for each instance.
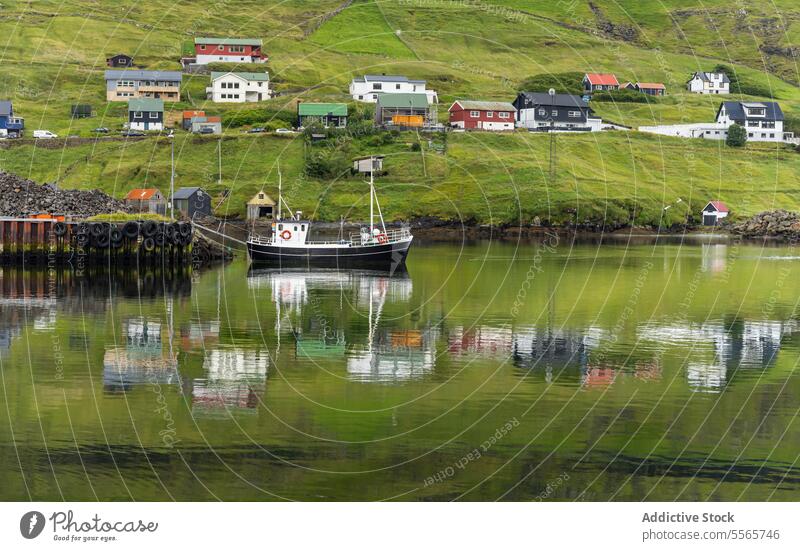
(381, 257)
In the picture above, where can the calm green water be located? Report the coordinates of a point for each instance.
(549, 370)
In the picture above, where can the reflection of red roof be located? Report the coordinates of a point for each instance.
(719, 206)
(651, 85)
(604, 79)
(141, 194)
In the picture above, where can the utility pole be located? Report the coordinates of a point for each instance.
(553, 145)
(172, 175)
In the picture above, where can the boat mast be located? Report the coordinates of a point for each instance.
(371, 194)
(280, 194)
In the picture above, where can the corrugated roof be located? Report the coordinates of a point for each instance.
(322, 109)
(484, 105)
(136, 74)
(707, 76)
(190, 114)
(146, 104)
(229, 41)
(534, 99)
(6, 108)
(651, 85)
(261, 198)
(388, 78)
(185, 192)
(735, 110)
(604, 79)
(141, 194)
(417, 101)
(263, 77)
(719, 206)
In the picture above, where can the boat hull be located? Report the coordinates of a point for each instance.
(381, 257)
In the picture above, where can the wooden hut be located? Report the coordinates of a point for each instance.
(260, 206)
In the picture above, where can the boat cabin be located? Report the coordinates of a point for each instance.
(291, 232)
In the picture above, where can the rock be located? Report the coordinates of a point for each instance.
(22, 197)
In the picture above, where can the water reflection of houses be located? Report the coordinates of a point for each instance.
(561, 354)
(143, 359)
(235, 380)
(741, 344)
(393, 355)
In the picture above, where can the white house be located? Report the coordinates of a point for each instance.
(369, 87)
(763, 120)
(713, 212)
(237, 87)
(709, 83)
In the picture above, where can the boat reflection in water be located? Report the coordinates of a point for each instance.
(318, 309)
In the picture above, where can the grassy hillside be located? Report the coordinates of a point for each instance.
(53, 53)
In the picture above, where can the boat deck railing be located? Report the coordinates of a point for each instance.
(356, 239)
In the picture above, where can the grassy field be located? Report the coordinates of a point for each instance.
(53, 55)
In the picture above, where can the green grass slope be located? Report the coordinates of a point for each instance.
(52, 54)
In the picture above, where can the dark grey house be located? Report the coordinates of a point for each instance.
(191, 201)
(119, 60)
(562, 112)
(146, 114)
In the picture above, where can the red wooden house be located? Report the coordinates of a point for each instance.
(228, 50)
(482, 115)
(600, 81)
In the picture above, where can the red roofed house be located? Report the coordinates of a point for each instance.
(228, 50)
(713, 212)
(593, 82)
(147, 200)
(482, 115)
(651, 88)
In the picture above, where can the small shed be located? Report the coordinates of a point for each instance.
(713, 212)
(191, 201)
(362, 164)
(260, 206)
(147, 200)
(186, 123)
(80, 111)
(119, 60)
(201, 124)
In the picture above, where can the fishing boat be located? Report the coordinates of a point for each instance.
(373, 247)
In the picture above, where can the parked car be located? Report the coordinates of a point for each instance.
(43, 134)
(206, 130)
(257, 130)
(285, 131)
(132, 133)
(101, 130)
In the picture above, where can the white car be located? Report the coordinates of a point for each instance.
(43, 134)
(285, 131)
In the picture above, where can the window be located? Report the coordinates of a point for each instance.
(749, 134)
(542, 112)
(137, 114)
(377, 86)
(574, 114)
(768, 124)
(236, 49)
(489, 114)
(153, 115)
(295, 228)
(280, 227)
(302, 227)
(752, 123)
(554, 113)
(504, 114)
(474, 114)
(396, 86)
(360, 97)
(772, 135)
(202, 46)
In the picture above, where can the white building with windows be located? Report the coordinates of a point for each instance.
(238, 87)
(763, 121)
(709, 83)
(369, 87)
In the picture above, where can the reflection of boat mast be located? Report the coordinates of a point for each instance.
(373, 326)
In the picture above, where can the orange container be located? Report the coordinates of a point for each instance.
(408, 120)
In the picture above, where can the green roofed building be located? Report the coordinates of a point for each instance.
(326, 114)
(404, 111)
(146, 114)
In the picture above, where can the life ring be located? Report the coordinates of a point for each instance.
(286, 235)
(382, 239)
